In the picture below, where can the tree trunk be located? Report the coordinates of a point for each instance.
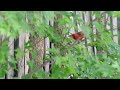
(88, 20)
(115, 30)
(21, 60)
(10, 72)
(118, 25)
(27, 35)
(47, 46)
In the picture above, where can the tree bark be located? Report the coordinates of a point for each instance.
(115, 30)
(21, 60)
(47, 45)
(27, 35)
(10, 72)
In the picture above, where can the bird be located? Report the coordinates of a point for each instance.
(78, 35)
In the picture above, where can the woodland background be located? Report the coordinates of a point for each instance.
(35, 45)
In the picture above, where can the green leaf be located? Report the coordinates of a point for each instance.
(2, 73)
(116, 65)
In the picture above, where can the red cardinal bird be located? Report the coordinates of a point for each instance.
(79, 35)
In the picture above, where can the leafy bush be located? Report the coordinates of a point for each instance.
(77, 60)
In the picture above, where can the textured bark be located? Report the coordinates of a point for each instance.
(38, 47)
(58, 30)
(38, 44)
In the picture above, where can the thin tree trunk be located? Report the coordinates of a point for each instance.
(104, 20)
(88, 20)
(27, 35)
(108, 21)
(21, 60)
(115, 30)
(111, 26)
(10, 72)
(118, 25)
(47, 45)
(27, 58)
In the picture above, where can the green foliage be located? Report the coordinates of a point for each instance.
(77, 60)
